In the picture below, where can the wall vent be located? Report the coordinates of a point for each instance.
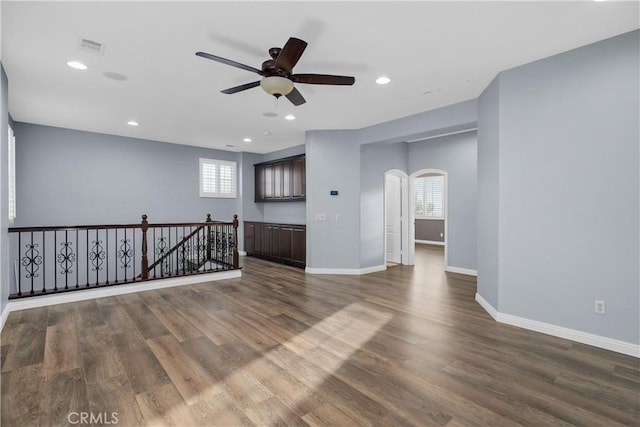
(91, 46)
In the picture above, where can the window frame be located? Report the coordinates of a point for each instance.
(11, 175)
(415, 207)
(217, 193)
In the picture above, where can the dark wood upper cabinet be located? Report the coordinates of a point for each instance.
(281, 180)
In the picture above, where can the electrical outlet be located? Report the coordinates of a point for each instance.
(600, 307)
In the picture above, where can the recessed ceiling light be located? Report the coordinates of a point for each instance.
(247, 140)
(383, 80)
(132, 123)
(115, 76)
(290, 117)
(77, 65)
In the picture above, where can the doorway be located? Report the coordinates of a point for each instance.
(428, 210)
(396, 206)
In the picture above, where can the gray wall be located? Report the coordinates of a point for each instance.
(430, 229)
(333, 163)
(375, 160)
(488, 192)
(4, 191)
(569, 189)
(457, 155)
(67, 177)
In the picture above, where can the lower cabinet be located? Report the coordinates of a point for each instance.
(283, 243)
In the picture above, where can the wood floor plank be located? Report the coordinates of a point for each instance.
(62, 350)
(190, 379)
(163, 406)
(21, 393)
(143, 370)
(180, 327)
(63, 394)
(99, 355)
(114, 396)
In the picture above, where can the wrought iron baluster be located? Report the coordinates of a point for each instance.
(106, 239)
(77, 246)
(66, 258)
(55, 275)
(44, 266)
(19, 266)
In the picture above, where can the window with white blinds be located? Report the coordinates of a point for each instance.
(429, 197)
(218, 178)
(12, 175)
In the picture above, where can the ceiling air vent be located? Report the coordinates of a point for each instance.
(91, 46)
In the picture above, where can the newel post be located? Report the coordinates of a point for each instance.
(145, 262)
(209, 245)
(236, 261)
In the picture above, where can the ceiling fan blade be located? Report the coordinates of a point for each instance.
(290, 54)
(228, 62)
(241, 87)
(323, 79)
(296, 97)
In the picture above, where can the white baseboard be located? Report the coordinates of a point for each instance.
(347, 271)
(107, 291)
(460, 270)
(3, 317)
(429, 242)
(618, 346)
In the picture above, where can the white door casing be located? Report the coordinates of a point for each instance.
(393, 215)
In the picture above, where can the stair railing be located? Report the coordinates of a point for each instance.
(65, 258)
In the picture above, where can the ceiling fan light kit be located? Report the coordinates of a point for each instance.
(278, 79)
(276, 86)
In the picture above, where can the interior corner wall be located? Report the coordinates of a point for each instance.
(333, 163)
(488, 193)
(250, 211)
(457, 155)
(5, 267)
(69, 177)
(375, 160)
(569, 189)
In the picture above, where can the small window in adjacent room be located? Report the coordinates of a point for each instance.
(429, 197)
(217, 178)
(12, 175)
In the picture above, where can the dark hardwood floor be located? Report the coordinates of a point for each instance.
(407, 346)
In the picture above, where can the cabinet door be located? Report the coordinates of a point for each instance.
(259, 183)
(277, 181)
(249, 233)
(275, 242)
(299, 246)
(257, 238)
(286, 236)
(268, 182)
(287, 181)
(266, 239)
(299, 189)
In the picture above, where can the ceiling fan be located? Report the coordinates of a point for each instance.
(278, 79)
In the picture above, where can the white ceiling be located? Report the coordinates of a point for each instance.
(450, 49)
